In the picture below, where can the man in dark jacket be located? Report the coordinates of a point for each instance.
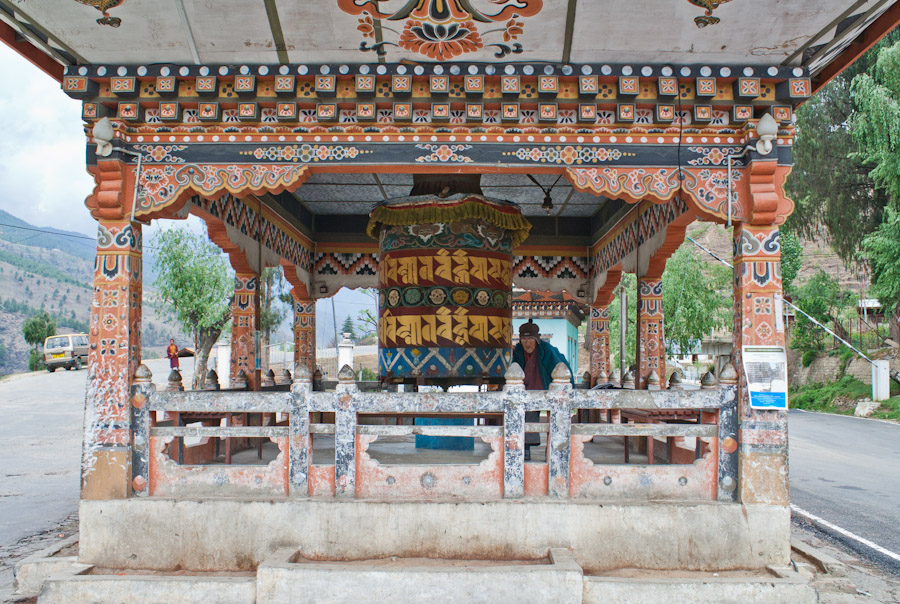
(537, 358)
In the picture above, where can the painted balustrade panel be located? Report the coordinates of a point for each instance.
(566, 471)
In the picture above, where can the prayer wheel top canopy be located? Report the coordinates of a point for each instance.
(445, 286)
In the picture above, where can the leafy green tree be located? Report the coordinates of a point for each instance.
(882, 250)
(194, 284)
(791, 258)
(820, 297)
(271, 315)
(629, 286)
(37, 329)
(693, 300)
(366, 320)
(830, 183)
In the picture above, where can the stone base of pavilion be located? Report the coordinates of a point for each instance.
(240, 534)
(255, 552)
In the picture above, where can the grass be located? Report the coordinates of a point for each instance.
(841, 397)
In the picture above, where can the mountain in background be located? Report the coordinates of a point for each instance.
(72, 243)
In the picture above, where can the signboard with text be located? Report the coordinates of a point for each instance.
(765, 368)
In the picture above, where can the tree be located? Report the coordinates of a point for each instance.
(348, 327)
(820, 297)
(882, 250)
(693, 303)
(37, 329)
(629, 285)
(366, 319)
(194, 284)
(270, 316)
(791, 258)
(834, 194)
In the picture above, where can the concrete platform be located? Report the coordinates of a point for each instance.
(231, 534)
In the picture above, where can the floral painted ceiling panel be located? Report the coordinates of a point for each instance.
(796, 32)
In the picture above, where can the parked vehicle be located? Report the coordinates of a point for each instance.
(69, 350)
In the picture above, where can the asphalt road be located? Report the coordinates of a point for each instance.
(41, 423)
(846, 470)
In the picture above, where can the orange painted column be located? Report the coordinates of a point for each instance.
(651, 344)
(113, 358)
(763, 433)
(599, 335)
(245, 322)
(304, 333)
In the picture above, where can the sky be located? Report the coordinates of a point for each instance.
(42, 147)
(43, 179)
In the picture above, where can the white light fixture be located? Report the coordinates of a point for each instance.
(767, 129)
(103, 134)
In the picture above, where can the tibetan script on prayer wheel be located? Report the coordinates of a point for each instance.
(445, 282)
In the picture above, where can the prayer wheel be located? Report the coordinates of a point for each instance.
(445, 285)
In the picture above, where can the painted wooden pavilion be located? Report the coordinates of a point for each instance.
(283, 124)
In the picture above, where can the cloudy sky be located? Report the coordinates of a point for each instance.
(42, 174)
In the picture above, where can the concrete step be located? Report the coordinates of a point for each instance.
(286, 577)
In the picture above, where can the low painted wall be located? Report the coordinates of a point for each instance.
(227, 534)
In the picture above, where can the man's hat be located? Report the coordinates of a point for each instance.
(529, 330)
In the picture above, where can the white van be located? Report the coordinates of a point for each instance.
(69, 350)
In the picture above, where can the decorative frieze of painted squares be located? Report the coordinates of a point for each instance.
(286, 112)
(665, 113)
(795, 88)
(702, 113)
(548, 85)
(208, 112)
(123, 86)
(326, 85)
(365, 85)
(510, 85)
(169, 112)
(403, 112)
(206, 85)
(245, 85)
(547, 112)
(365, 112)
(588, 85)
(474, 112)
(90, 111)
(247, 111)
(129, 111)
(326, 112)
(474, 84)
(401, 85)
(285, 84)
(706, 87)
(667, 86)
(79, 87)
(439, 84)
(747, 87)
(742, 113)
(587, 113)
(510, 112)
(625, 112)
(440, 112)
(781, 113)
(629, 86)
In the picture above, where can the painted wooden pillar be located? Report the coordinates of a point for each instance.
(599, 336)
(763, 433)
(304, 332)
(113, 358)
(651, 345)
(245, 322)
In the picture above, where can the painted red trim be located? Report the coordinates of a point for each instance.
(872, 34)
(30, 52)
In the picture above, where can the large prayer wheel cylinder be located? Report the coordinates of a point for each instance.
(445, 285)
